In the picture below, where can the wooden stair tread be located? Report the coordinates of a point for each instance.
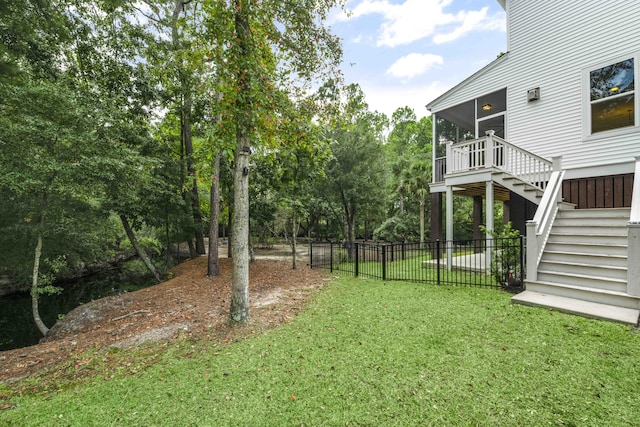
(588, 288)
(587, 254)
(582, 276)
(581, 264)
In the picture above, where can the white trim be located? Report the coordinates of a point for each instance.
(493, 116)
(434, 142)
(601, 170)
(587, 135)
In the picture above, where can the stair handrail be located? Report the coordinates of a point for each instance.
(633, 236)
(539, 227)
(473, 154)
(635, 195)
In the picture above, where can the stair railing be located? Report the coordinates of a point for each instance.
(494, 152)
(539, 227)
(633, 236)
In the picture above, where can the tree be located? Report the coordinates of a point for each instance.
(174, 55)
(47, 150)
(108, 65)
(261, 50)
(45, 137)
(417, 178)
(186, 75)
(303, 159)
(213, 268)
(356, 174)
(409, 153)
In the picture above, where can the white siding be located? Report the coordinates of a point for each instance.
(552, 43)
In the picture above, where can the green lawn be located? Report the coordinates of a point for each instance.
(367, 353)
(418, 268)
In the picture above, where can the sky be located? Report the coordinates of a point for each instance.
(408, 52)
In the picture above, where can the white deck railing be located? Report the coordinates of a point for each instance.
(539, 227)
(494, 152)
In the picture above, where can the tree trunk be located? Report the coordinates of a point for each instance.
(352, 236)
(230, 231)
(213, 268)
(139, 249)
(294, 228)
(34, 283)
(186, 101)
(191, 170)
(192, 249)
(349, 228)
(422, 204)
(239, 312)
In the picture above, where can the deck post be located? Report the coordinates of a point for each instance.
(489, 224)
(449, 220)
(488, 149)
(532, 251)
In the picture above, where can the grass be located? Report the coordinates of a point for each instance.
(368, 353)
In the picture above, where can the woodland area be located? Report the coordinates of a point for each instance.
(129, 127)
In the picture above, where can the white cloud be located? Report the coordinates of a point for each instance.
(470, 21)
(414, 64)
(414, 20)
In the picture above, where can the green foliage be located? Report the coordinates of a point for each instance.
(354, 183)
(506, 254)
(399, 228)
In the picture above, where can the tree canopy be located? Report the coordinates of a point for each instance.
(117, 118)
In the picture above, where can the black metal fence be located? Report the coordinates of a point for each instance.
(495, 262)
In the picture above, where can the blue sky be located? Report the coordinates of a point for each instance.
(407, 52)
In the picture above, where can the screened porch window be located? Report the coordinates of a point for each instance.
(612, 96)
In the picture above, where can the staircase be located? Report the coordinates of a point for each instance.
(583, 269)
(519, 186)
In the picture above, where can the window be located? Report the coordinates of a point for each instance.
(612, 96)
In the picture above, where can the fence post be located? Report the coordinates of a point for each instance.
(311, 254)
(331, 257)
(384, 262)
(357, 248)
(438, 261)
(403, 252)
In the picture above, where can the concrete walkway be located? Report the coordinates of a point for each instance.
(468, 262)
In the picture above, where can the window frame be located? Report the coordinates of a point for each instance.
(588, 134)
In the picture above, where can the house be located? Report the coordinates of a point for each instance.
(551, 128)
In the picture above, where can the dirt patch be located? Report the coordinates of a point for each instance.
(189, 304)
